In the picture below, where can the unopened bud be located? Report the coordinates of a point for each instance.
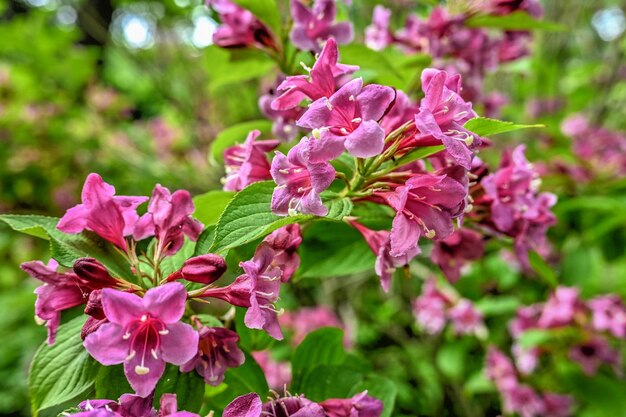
(204, 269)
(90, 326)
(93, 273)
(94, 305)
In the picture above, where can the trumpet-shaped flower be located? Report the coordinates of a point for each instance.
(247, 163)
(144, 334)
(313, 26)
(300, 182)
(348, 120)
(240, 27)
(109, 216)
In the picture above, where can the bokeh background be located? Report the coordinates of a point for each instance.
(135, 91)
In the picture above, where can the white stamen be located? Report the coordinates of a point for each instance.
(284, 171)
(357, 120)
(144, 318)
(327, 102)
(126, 336)
(343, 130)
(141, 370)
(317, 133)
(430, 234)
(351, 98)
(164, 332)
(306, 68)
(154, 354)
(132, 355)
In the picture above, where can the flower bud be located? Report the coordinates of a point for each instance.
(204, 269)
(91, 325)
(94, 305)
(93, 273)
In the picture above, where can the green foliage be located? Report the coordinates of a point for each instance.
(515, 21)
(484, 126)
(62, 371)
(188, 387)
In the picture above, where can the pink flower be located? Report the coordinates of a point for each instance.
(425, 204)
(525, 318)
(595, 352)
(466, 319)
(557, 405)
(277, 373)
(169, 219)
(443, 113)
(348, 120)
(453, 252)
(608, 314)
(132, 406)
(300, 182)
(217, 351)
(523, 400)
(284, 126)
(307, 319)
(144, 333)
(247, 163)
(361, 405)
(248, 405)
(526, 359)
(561, 308)
(386, 264)
(430, 308)
(377, 35)
(297, 406)
(311, 27)
(204, 269)
(239, 28)
(285, 242)
(500, 369)
(109, 216)
(323, 79)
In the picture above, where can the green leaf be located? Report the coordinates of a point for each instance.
(483, 126)
(66, 248)
(266, 11)
(373, 65)
(542, 268)
(418, 153)
(451, 359)
(62, 371)
(209, 206)
(514, 21)
(188, 387)
(321, 347)
(248, 216)
(382, 388)
(111, 383)
(237, 134)
(326, 381)
(205, 240)
(495, 306)
(250, 339)
(535, 337)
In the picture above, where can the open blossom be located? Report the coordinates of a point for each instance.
(377, 35)
(217, 351)
(608, 313)
(284, 120)
(523, 400)
(425, 205)
(285, 242)
(443, 112)
(348, 120)
(247, 163)
(300, 182)
(361, 405)
(102, 212)
(250, 405)
(312, 26)
(307, 319)
(324, 78)
(144, 333)
(517, 207)
(561, 308)
(239, 27)
(386, 264)
(595, 352)
(466, 319)
(453, 252)
(430, 308)
(132, 406)
(169, 219)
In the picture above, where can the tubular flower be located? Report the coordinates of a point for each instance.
(377, 35)
(442, 115)
(169, 219)
(144, 333)
(285, 242)
(311, 27)
(323, 79)
(361, 405)
(284, 121)
(204, 269)
(109, 216)
(217, 351)
(348, 120)
(247, 163)
(300, 182)
(239, 28)
(425, 204)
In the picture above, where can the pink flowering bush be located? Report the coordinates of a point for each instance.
(362, 259)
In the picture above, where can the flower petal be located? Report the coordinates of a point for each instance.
(180, 344)
(121, 307)
(107, 345)
(167, 302)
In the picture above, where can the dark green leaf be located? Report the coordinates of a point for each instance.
(209, 206)
(483, 126)
(418, 153)
(321, 347)
(111, 383)
(325, 381)
(188, 387)
(514, 21)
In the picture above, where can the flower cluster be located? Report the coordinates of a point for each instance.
(434, 308)
(587, 326)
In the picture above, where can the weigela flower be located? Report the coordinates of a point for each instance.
(61, 291)
(169, 219)
(217, 351)
(132, 406)
(312, 26)
(430, 308)
(144, 334)
(250, 405)
(284, 121)
(557, 405)
(424, 205)
(109, 216)
(285, 242)
(204, 269)
(466, 319)
(442, 115)
(500, 369)
(608, 313)
(386, 264)
(523, 400)
(323, 80)
(300, 182)
(377, 35)
(561, 308)
(361, 405)
(308, 319)
(453, 252)
(239, 28)
(595, 352)
(277, 373)
(348, 120)
(247, 163)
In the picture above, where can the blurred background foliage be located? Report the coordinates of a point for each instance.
(136, 92)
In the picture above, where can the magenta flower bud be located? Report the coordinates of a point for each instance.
(361, 405)
(94, 273)
(204, 269)
(91, 325)
(94, 305)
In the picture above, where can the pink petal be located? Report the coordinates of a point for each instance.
(106, 345)
(367, 140)
(167, 302)
(74, 220)
(121, 307)
(180, 345)
(248, 405)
